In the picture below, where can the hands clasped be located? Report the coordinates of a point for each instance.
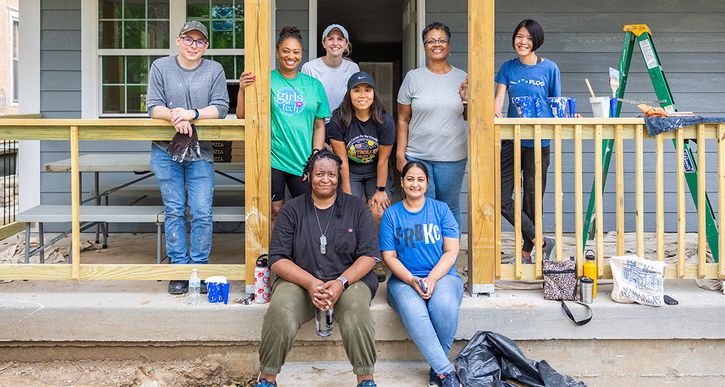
(324, 295)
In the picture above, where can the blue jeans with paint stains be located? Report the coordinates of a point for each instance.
(189, 183)
(432, 323)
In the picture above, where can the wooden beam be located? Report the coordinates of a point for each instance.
(118, 271)
(690, 271)
(11, 229)
(75, 192)
(257, 148)
(482, 146)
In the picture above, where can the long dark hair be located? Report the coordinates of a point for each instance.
(346, 111)
(289, 32)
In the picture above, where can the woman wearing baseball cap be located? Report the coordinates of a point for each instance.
(333, 69)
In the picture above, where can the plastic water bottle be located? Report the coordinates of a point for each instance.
(323, 322)
(194, 288)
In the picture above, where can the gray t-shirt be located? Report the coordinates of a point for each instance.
(437, 130)
(207, 86)
(333, 79)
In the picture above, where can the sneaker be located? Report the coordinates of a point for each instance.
(265, 383)
(527, 260)
(450, 379)
(367, 383)
(178, 287)
(549, 245)
(433, 379)
(203, 289)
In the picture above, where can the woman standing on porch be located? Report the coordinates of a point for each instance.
(299, 108)
(333, 69)
(431, 119)
(419, 244)
(533, 76)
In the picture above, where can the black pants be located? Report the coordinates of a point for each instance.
(528, 230)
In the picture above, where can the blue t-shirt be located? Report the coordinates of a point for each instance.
(540, 80)
(417, 237)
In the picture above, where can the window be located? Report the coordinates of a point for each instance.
(133, 33)
(14, 48)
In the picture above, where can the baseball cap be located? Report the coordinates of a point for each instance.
(332, 27)
(359, 78)
(194, 25)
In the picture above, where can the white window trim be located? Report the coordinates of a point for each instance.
(14, 16)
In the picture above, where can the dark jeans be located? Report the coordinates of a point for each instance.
(528, 230)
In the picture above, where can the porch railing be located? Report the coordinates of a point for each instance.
(619, 130)
(75, 131)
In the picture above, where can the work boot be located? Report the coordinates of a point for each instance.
(177, 287)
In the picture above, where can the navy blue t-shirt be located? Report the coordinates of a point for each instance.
(540, 80)
(417, 237)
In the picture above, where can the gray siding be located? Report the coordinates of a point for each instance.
(585, 41)
(294, 13)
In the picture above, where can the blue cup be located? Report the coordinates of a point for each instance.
(218, 289)
(572, 107)
(558, 106)
(613, 107)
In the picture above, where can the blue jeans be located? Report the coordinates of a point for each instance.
(192, 183)
(446, 179)
(431, 324)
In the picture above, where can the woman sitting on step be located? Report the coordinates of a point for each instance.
(419, 244)
(323, 249)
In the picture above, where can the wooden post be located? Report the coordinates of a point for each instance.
(257, 170)
(578, 205)
(598, 202)
(75, 200)
(660, 189)
(721, 194)
(482, 146)
(620, 190)
(639, 188)
(681, 214)
(702, 201)
(558, 194)
(538, 188)
(517, 201)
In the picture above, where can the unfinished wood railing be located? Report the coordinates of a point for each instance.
(619, 130)
(75, 131)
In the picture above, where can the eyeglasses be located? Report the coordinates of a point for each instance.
(188, 41)
(433, 42)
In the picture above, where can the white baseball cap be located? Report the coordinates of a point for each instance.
(333, 27)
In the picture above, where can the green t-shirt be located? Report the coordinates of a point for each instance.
(296, 103)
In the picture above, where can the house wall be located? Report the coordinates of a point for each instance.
(5, 51)
(583, 41)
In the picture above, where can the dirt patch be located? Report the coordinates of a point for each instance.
(119, 373)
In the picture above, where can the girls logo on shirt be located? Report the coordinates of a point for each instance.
(362, 149)
(289, 101)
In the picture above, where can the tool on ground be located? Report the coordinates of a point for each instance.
(641, 34)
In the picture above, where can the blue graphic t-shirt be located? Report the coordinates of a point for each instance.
(417, 237)
(362, 140)
(296, 103)
(540, 80)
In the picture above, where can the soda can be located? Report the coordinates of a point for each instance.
(262, 287)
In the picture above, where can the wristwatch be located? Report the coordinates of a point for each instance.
(345, 283)
(196, 114)
(380, 189)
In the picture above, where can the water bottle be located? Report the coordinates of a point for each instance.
(586, 288)
(323, 322)
(262, 291)
(590, 270)
(194, 294)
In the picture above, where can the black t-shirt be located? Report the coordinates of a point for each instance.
(362, 140)
(351, 234)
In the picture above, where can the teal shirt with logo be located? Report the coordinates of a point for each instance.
(296, 103)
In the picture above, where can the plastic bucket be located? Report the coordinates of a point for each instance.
(600, 106)
(558, 106)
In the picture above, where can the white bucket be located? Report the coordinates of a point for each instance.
(600, 106)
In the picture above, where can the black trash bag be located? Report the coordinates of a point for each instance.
(491, 359)
(184, 147)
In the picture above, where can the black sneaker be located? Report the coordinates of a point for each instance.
(433, 379)
(177, 287)
(202, 288)
(450, 379)
(548, 249)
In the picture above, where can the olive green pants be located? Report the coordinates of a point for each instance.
(291, 307)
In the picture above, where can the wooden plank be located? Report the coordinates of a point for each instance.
(660, 188)
(118, 271)
(558, 194)
(538, 191)
(619, 145)
(578, 205)
(517, 200)
(681, 215)
(11, 229)
(639, 189)
(75, 193)
(497, 190)
(598, 204)
(691, 271)
(721, 193)
(630, 127)
(257, 148)
(481, 146)
(701, 200)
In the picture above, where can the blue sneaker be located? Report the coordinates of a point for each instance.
(450, 379)
(433, 379)
(367, 383)
(265, 383)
